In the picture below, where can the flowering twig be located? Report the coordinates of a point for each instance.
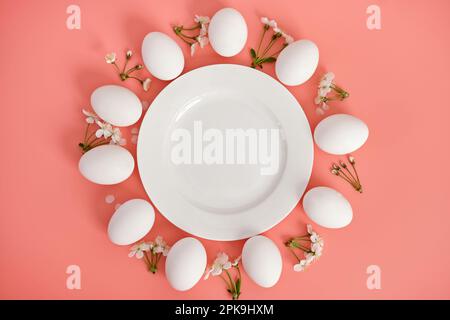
(124, 73)
(194, 40)
(311, 244)
(104, 133)
(341, 170)
(220, 265)
(261, 56)
(151, 252)
(326, 85)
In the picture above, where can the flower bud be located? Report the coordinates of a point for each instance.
(335, 172)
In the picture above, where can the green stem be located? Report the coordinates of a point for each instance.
(350, 180)
(125, 64)
(277, 52)
(86, 132)
(115, 65)
(356, 173)
(346, 169)
(90, 136)
(132, 77)
(99, 144)
(342, 93)
(226, 282)
(261, 40)
(92, 141)
(198, 26)
(271, 43)
(232, 283)
(295, 255)
(188, 37)
(355, 185)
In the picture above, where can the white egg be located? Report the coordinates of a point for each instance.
(262, 261)
(116, 105)
(185, 263)
(297, 62)
(131, 222)
(107, 164)
(162, 56)
(227, 32)
(327, 207)
(340, 134)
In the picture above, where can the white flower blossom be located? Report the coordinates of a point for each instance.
(300, 266)
(160, 246)
(221, 263)
(203, 30)
(105, 130)
(116, 137)
(146, 84)
(278, 30)
(202, 41)
(271, 23)
(110, 57)
(201, 19)
(287, 38)
(236, 261)
(317, 249)
(138, 250)
(325, 84)
(310, 257)
(90, 117)
(193, 48)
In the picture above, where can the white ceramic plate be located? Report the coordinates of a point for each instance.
(229, 200)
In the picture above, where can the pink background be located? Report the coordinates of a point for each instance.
(51, 217)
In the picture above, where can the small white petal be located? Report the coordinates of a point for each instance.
(99, 133)
(216, 271)
(146, 84)
(298, 267)
(134, 139)
(134, 130)
(227, 265)
(193, 48)
(318, 99)
(139, 254)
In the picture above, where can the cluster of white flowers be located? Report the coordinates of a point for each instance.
(159, 246)
(221, 263)
(202, 39)
(273, 24)
(138, 250)
(105, 129)
(323, 90)
(314, 253)
(111, 58)
(326, 85)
